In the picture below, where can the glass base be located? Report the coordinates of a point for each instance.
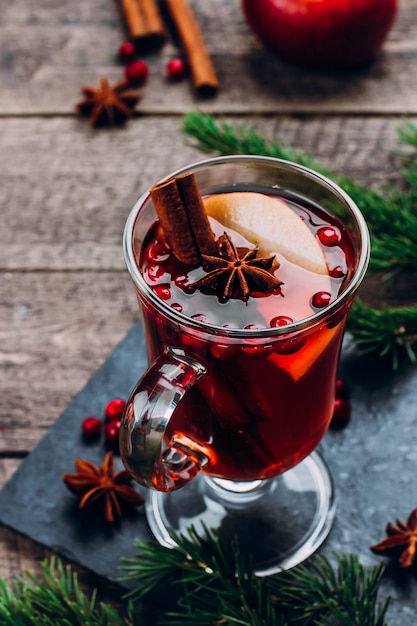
(278, 523)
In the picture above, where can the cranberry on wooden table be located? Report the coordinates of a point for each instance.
(126, 52)
(175, 69)
(136, 72)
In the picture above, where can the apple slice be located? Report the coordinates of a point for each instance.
(271, 225)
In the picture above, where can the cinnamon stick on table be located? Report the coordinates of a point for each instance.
(144, 24)
(183, 218)
(199, 61)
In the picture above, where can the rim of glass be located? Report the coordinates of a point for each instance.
(212, 329)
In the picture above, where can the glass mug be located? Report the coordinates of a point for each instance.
(234, 415)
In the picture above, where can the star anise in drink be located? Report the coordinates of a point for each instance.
(102, 488)
(231, 275)
(108, 104)
(401, 541)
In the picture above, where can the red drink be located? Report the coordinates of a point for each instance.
(264, 403)
(242, 351)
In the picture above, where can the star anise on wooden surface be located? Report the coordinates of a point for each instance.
(230, 275)
(401, 541)
(102, 488)
(108, 104)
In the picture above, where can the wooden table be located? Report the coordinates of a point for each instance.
(66, 189)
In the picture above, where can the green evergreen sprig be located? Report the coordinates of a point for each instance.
(55, 599)
(214, 585)
(391, 217)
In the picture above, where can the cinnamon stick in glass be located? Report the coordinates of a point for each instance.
(199, 61)
(144, 24)
(174, 221)
(196, 212)
(183, 218)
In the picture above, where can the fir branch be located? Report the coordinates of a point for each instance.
(219, 136)
(397, 226)
(408, 133)
(348, 593)
(388, 331)
(391, 219)
(215, 585)
(157, 567)
(56, 599)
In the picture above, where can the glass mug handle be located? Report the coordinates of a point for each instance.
(151, 461)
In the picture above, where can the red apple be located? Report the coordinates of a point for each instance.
(322, 33)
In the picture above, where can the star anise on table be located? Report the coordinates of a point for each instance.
(231, 275)
(108, 104)
(401, 541)
(102, 488)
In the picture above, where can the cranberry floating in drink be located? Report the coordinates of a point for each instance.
(244, 269)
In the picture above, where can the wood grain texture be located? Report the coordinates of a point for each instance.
(48, 51)
(66, 191)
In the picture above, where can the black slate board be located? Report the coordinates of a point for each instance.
(373, 463)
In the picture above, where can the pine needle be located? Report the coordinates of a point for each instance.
(408, 133)
(215, 586)
(55, 599)
(219, 136)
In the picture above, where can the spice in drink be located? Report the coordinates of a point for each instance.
(183, 218)
(229, 273)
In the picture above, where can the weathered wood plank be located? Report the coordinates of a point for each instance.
(49, 50)
(55, 330)
(66, 190)
(7, 469)
(65, 187)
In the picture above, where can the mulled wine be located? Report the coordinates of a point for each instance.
(245, 268)
(264, 402)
